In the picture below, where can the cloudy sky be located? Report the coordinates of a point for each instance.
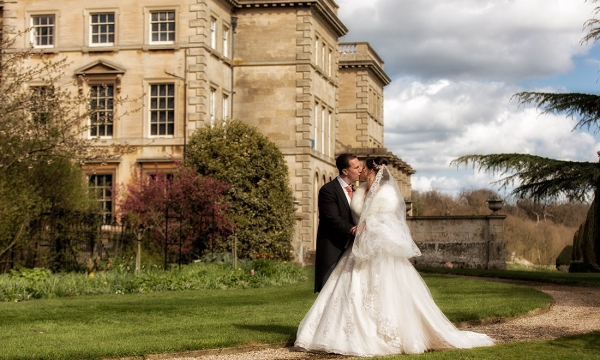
(454, 66)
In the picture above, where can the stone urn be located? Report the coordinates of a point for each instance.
(495, 205)
(408, 205)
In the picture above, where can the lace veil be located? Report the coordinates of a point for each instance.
(382, 225)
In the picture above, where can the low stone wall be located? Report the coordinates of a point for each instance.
(465, 241)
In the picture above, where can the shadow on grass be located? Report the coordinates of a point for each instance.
(464, 317)
(555, 277)
(589, 341)
(271, 329)
(581, 347)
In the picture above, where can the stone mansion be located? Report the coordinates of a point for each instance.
(276, 64)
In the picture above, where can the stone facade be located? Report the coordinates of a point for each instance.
(277, 65)
(466, 241)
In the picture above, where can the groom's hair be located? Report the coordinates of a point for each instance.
(343, 161)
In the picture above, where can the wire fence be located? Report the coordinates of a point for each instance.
(66, 240)
(75, 241)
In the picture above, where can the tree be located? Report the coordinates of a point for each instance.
(198, 200)
(43, 138)
(47, 188)
(435, 203)
(49, 120)
(261, 196)
(542, 178)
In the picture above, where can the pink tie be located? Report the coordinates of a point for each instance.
(349, 190)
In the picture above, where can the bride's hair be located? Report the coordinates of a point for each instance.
(375, 163)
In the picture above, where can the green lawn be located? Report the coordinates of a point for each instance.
(556, 277)
(92, 327)
(580, 347)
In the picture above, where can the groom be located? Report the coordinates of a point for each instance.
(336, 227)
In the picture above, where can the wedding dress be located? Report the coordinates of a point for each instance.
(375, 302)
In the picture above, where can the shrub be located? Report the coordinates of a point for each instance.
(195, 203)
(32, 196)
(586, 242)
(31, 274)
(40, 283)
(578, 267)
(261, 197)
(564, 258)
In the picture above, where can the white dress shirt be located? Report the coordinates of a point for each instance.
(343, 183)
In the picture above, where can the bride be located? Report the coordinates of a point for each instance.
(375, 302)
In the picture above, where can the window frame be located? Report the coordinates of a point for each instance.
(226, 106)
(323, 47)
(33, 37)
(174, 109)
(213, 33)
(329, 122)
(317, 42)
(42, 113)
(88, 28)
(316, 137)
(329, 62)
(212, 99)
(105, 199)
(323, 129)
(148, 168)
(112, 109)
(150, 21)
(225, 36)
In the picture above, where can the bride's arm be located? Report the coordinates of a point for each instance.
(385, 201)
(360, 228)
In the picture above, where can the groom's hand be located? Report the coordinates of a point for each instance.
(353, 230)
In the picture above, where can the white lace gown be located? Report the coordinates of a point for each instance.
(375, 302)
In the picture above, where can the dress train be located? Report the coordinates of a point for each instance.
(379, 307)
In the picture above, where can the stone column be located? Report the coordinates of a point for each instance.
(496, 244)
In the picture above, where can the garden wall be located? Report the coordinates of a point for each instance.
(464, 241)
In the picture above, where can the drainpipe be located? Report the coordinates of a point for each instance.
(185, 99)
(234, 21)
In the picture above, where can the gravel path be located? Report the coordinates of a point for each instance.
(575, 310)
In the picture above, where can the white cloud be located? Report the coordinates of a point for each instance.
(454, 66)
(466, 39)
(429, 125)
(452, 185)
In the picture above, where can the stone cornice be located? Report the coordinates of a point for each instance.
(319, 5)
(393, 160)
(331, 18)
(272, 3)
(369, 65)
(232, 3)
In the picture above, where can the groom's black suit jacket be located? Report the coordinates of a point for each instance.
(333, 235)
